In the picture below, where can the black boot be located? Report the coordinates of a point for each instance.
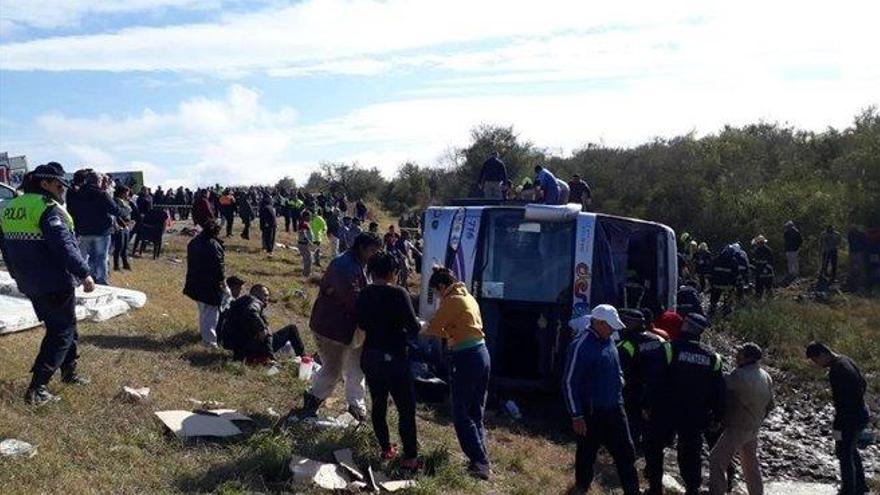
(39, 395)
(71, 377)
(310, 405)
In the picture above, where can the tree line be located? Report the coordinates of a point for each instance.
(723, 187)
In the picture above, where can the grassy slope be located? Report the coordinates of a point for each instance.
(92, 443)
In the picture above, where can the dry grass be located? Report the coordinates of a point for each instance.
(91, 442)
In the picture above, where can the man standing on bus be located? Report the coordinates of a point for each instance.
(492, 176)
(548, 184)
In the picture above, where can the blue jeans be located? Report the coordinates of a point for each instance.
(96, 250)
(470, 380)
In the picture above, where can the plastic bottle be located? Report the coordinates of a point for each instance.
(305, 368)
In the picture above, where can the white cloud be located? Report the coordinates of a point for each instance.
(48, 14)
(316, 32)
(94, 157)
(210, 140)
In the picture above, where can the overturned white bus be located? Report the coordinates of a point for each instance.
(534, 267)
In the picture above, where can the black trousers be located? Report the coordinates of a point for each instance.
(268, 239)
(609, 429)
(266, 348)
(829, 260)
(690, 449)
(57, 311)
(288, 220)
(230, 220)
(633, 404)
(246, 232)
(852, 472)
(391, 375)
(120, 248)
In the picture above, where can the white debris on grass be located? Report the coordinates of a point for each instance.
(12, 447)
(320, 474)
(105, 302)
(188, 424)
(132, 394)
(345, 458)
(393, 486)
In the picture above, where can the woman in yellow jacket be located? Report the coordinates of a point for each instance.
(458, 321)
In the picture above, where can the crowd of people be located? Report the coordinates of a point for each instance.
(632, 382)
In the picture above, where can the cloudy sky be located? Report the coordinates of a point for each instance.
(203, 91)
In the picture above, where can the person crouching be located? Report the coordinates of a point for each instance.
(246, 330)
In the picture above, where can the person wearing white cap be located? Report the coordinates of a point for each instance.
(593, 389)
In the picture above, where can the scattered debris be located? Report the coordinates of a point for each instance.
(323, 475)
(280, 245)
(272, 412)
(393, 486)
(229, 414)
(356, 486)
(372, 486)
(176, 261)
(187, 424)
(206, 404)
(273, 370)
(17, 448)
(135, 394)
(344, 420)
(345, 458)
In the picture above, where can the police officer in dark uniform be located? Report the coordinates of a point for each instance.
(41, 252)
(694, 400)
(687, 299)
(638, 350)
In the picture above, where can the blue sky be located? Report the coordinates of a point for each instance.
(203, 91)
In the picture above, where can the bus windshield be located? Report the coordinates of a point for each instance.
(525, 260)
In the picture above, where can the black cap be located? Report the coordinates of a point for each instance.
(697, 321)
(49, 171)
(629, 314)
(234, 280)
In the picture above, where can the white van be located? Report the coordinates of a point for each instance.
(535, 267)
(6, 193)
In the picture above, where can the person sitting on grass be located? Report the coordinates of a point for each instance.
(246, 332)
(385, 313)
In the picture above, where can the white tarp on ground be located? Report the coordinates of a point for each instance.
(16, 314)
(105, 302)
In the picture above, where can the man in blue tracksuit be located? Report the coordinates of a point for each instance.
(39, 247)
(593, 390)
(548, 184)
